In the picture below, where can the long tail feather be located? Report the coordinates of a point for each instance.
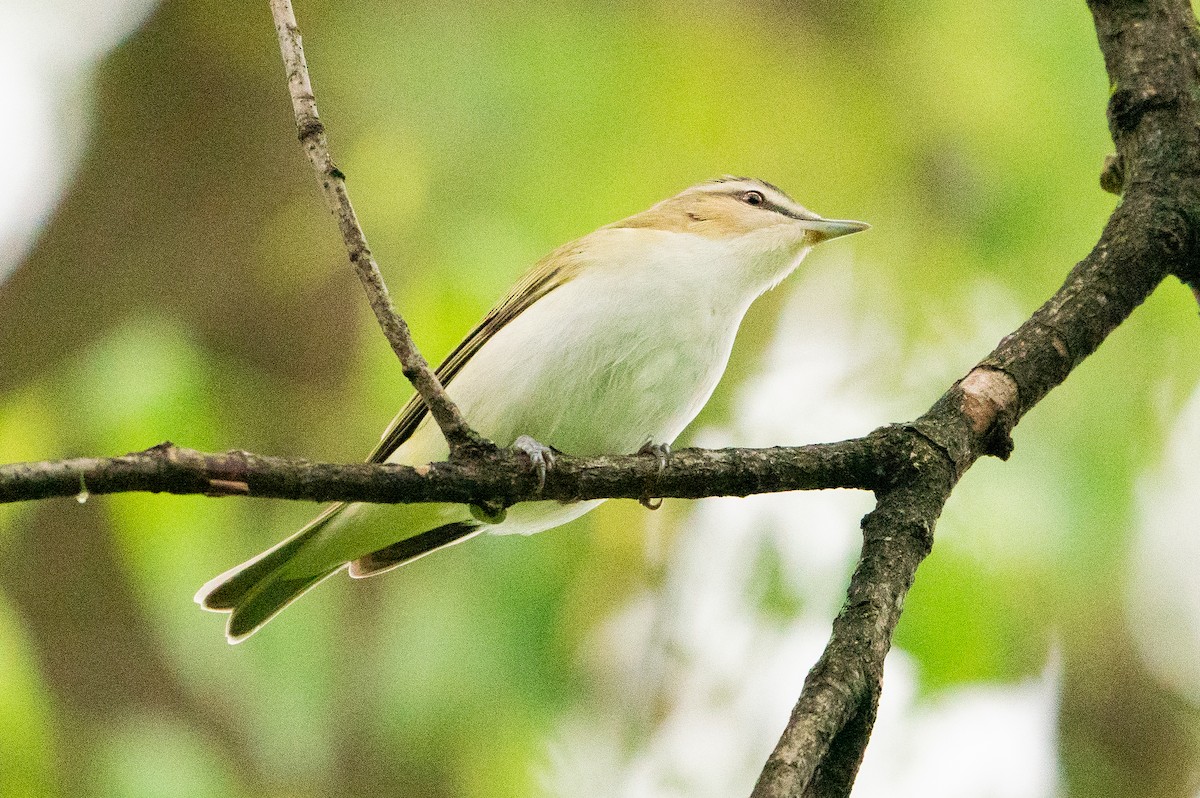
(224, 592)
(256, 590)
(409, 549)
(266, 600)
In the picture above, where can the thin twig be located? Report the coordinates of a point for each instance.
(459, 435)
(691, 473)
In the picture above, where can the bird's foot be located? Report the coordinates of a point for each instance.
(661, 451)
(541, 457)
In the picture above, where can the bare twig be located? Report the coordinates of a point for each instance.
(459, 435)
(691, 473)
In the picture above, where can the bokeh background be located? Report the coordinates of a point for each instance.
(168, 271)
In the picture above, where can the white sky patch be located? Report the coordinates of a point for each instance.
(48, 50)
(696, 677)
(1164, 588)
(973, 741)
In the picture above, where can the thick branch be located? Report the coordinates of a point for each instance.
(822, 745)
(1151, 52)
(333, 184)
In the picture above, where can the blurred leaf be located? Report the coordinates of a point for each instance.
(150, 757)
(26, 729)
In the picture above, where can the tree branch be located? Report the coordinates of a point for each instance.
(1152, 55)
(502, 478)
(462, 439)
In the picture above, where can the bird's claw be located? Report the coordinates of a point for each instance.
(661, 451)
(541, 457)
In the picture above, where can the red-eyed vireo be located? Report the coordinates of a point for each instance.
(610, 343)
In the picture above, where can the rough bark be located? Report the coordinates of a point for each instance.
(1151, 53)
(499, 478)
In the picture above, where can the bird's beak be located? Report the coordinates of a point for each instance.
(825, 229)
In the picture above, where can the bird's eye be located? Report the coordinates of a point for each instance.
(753, 198)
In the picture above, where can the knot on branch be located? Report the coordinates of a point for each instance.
(1126, 107)
(1172, 235)
(1112, 176)
(166, 450)
(309, 127)
(972, 419)
(469, 447)
(989, 402)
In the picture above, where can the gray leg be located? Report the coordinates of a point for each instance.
(541, 458)
(661, 451)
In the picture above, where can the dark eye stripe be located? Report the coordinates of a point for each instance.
(771, 206)
(768, 204)
(788, 212)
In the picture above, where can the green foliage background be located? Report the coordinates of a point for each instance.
(191, 287)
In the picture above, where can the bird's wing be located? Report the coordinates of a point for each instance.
(556, 269)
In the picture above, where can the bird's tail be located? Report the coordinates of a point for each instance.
(255, 591)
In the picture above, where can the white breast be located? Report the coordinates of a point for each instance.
(614, 358)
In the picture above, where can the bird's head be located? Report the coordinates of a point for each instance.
(730, 207)
(758, 222)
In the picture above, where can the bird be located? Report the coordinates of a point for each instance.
(610, 344)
